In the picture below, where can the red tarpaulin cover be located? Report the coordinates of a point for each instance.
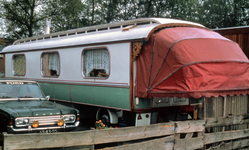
(191, 62)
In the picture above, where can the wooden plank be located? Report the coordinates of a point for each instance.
(225, 136)
(177, 136)
(231, 145)
(165, 143)
(226, 121)
(246, 50)
(91, 137)
(224, 110)
(188, 144)
(200, 134)
(133, 133)
(222, 146)
(241, 40)
(240, 144)
(205, 108)
(190, 126)
(189, 135)
(233, 30)
(84, 147)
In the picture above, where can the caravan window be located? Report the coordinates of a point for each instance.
(19, 65)
(50, 64)
(96, 62)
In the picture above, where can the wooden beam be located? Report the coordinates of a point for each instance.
(232, 30)
(190, 126)
(224, 110)
(226, 121)
(189, 144)
(189, 135)
(231, 145)
(225, 136)
(92, 137)
(166, 143)
(205, 108)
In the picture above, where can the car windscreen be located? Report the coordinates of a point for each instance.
(16, 89)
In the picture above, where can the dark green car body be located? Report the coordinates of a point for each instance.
(23, 104)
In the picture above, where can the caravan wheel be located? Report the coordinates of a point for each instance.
(105, 119)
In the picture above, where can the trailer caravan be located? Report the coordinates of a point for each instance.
(139, 71)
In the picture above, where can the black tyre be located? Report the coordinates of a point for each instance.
(105, 119)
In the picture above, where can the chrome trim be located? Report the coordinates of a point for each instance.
(22, 125)
(12, 129)
(46, 120)
(76, 124)
(26, 99)
(43, 120)
(69, 121)
(122, 85)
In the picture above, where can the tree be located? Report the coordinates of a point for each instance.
(21, 17)
(224, 13)
(64, 14)
(27, 17)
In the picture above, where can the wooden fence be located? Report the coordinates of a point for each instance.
(172, 135)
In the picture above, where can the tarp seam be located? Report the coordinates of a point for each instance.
(193, 64)
(199, 91)
(149, 85)
(169, 51)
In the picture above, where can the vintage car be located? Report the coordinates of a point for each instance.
(24, 109)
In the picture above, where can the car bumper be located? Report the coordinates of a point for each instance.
(12, 129)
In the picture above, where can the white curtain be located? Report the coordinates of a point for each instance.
(96, 59)
(54, 62)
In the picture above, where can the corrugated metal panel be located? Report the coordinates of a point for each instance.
(214, 110)
(235, 105)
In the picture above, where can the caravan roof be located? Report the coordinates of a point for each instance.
(137, 29)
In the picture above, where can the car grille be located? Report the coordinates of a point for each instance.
(46, 120)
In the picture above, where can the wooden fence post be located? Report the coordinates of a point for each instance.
(224, 110)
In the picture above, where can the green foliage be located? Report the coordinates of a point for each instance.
(64, 14)
(21, 19)
(224, 13)
(25, 18)
(100, 125)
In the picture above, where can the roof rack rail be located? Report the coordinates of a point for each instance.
(123, 25)
(97, 28)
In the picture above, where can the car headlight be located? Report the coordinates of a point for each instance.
(22, 122)
(69, 118)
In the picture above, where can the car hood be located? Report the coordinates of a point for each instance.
(35, 108)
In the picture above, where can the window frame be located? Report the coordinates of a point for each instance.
(83, 63)
(13, 67)
(42, 61)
